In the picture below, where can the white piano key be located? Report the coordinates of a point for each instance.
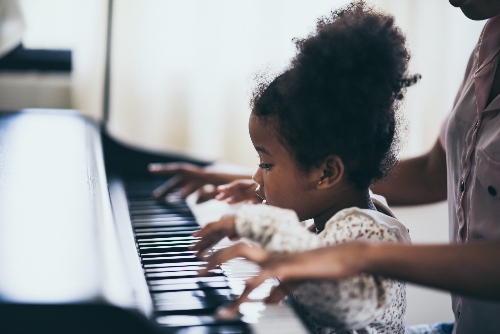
(262, 318)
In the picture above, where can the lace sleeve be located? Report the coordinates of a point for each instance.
(356, 302)
(276, 230)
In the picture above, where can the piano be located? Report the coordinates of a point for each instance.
(85, 249)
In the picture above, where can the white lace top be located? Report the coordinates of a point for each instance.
(362, 304)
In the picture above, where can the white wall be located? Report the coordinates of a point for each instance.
(427, 224)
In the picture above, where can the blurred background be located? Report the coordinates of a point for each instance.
(182, 71)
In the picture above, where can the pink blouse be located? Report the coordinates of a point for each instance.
(472, 144)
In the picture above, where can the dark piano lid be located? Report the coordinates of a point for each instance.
(58, 241)
(62, 267)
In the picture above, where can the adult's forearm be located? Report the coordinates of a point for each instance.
(468, 269)
(417, 180)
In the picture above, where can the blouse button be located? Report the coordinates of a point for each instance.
(462, 186)
(492, 191)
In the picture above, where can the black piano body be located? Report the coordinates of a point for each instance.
(68, 254)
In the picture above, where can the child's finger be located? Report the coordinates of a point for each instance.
(206, 230)
(251, 253)
(219, 257)
(204, 244)
(227, 312)
(276, 294)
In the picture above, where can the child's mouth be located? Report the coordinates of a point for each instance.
(257, 192)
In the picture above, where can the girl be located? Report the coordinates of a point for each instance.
(325, 130)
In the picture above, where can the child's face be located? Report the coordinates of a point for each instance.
(280, 181)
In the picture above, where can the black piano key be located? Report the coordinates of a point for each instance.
(166, 259)
(171, 239)
(182, 273)
(188, 307)
(163, 232)
(166, 244)
(223, 329)
(163, 269)
(169, 230)
(174, 264)
(170, 253)
(154, 235)
(164, 223)
(144, 203)
(221, 294)
(198, 280)
(188, 286)
(162, 249)
(158, 210)
(162, 218)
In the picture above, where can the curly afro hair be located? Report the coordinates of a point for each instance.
(341, 94)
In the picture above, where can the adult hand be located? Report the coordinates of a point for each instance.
(212, 233)
(291, 269)
(238, 191)
(190, 178)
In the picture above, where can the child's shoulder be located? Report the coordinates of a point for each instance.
(365, 224)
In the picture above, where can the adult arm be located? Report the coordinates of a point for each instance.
(418, 180)
(469, 269)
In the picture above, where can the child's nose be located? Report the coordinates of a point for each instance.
(257, 177)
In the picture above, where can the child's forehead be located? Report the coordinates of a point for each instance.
(265, 137)
(263, 126)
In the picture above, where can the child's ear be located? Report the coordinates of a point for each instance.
(332, 170)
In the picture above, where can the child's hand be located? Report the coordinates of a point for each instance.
(238, 191)
(266, 260)
(212, 233)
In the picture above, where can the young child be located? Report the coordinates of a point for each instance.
(325, 130)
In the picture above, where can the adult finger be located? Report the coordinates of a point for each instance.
(174, 182)
(206, 193)
(171, 168)
(190, 188)
(236, 192)
(281, 291)
(276, 295)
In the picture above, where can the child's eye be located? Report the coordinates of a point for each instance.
(265, 166)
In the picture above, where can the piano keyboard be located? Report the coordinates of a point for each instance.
(183, 302)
